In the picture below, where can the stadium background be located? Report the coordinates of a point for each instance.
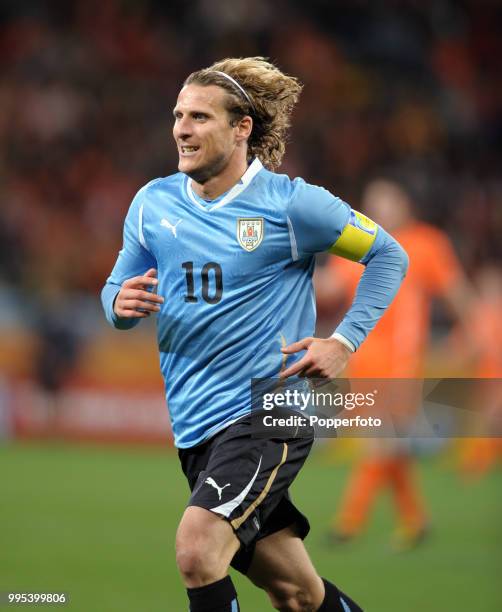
(86, 91)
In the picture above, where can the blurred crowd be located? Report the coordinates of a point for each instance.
(87, 88)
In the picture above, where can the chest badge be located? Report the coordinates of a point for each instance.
(250, 232)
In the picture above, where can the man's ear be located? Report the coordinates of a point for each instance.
(244, 128)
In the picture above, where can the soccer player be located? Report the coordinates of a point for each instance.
(396, 349)
(223, 253)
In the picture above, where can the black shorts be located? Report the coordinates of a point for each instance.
(246, 480)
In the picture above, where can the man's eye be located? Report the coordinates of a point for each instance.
(200, 116)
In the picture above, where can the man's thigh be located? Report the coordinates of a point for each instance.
(246, 481)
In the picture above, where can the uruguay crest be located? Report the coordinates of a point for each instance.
(250, 233)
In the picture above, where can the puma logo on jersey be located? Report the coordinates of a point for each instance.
(165, 223)
(210, 481)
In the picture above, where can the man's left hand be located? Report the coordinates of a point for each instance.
(325, 358)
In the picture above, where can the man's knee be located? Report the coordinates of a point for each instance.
(290, 597)
(205, 545)
(196, 563)
(197, 554)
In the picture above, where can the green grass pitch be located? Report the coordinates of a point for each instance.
(99, 524)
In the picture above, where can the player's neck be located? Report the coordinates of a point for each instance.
(221, 183)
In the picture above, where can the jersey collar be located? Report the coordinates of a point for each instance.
(232, 193)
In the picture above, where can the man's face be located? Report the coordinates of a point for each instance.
(202, 131)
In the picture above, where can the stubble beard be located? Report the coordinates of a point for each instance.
(209, 170)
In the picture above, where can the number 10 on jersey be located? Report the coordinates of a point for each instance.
(210, 274)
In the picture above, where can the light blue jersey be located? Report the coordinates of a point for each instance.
(236, 276)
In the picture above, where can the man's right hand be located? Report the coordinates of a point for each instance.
(135, 300)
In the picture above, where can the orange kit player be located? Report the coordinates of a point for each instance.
(395, 349)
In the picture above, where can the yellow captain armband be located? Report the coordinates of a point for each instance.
(357, 237)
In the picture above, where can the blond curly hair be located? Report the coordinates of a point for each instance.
(271, 97)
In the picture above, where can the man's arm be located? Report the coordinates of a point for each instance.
(359, 239)
(386, 264)
(128, 293)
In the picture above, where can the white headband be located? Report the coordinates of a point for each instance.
(239, 87)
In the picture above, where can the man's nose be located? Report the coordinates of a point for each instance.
(183, 128)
